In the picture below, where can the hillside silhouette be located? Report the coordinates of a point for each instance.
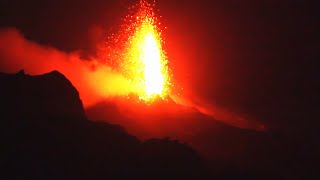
(46, 135)
(230, 152)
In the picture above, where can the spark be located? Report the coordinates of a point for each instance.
(139, 54)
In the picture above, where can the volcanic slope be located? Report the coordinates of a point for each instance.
(230, 152)
(45, 134)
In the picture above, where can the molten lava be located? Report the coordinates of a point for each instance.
(145, 60)
(140, 55)
(151, 58)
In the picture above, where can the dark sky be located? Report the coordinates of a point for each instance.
(255, 57)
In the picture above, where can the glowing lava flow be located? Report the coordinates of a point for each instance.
(140, 56)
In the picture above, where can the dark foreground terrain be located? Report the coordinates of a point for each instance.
(46, 135)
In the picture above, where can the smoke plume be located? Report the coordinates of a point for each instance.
(94, 80)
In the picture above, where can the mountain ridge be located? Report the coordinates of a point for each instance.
(47, 135)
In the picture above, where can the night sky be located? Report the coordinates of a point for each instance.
(255, 57)
(250, 57)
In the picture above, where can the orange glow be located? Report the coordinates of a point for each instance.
(140, 56)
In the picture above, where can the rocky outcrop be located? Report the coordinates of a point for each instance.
(45, 134)
(50, 94)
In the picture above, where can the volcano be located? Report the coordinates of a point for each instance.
(46, 134)
(228, 91)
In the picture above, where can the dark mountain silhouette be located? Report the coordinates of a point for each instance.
(45, 134)
(230, 152)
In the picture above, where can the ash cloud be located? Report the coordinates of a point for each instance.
(93, 79)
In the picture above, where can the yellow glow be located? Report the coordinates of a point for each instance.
(152, 62)
(145, 63)
(140, 54)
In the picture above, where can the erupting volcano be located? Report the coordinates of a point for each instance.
(131, 64)
(100, 89)
(137, 53)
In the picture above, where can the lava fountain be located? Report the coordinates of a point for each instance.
(138, 53)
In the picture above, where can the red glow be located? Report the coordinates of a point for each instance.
(124, 74)
(137, 52)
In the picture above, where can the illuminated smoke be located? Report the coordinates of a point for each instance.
(134, 62)
(93, 80)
